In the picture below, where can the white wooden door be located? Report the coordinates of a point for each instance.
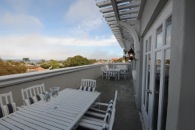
(156, 64)
(146, 84)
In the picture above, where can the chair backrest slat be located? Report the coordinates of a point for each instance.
(34, 92)
(27, 94)
(6, 99)
(30, 90)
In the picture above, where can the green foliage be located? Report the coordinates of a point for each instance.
(71, 61)
(11, 67)
(45, 65)
(77, 60)
(91, 61)
(52, 63)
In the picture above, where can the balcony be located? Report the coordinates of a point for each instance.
(127, 116)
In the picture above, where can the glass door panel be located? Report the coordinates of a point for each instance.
(165, 88)
(168, 31)
(159, 37)
(158, 60)
(147, 81)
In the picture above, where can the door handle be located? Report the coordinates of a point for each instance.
(148, 91)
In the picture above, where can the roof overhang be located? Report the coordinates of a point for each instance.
(117, 11)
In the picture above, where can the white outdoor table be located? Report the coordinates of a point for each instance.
(71, 105)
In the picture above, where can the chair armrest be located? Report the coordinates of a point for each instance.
(100, 103)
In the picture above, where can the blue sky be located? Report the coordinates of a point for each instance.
(54, 29)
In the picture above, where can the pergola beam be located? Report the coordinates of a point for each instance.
(103, 3)
(117, 11)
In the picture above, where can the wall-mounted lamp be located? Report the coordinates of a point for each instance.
(131, 54)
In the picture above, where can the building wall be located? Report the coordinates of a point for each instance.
(181, 107)
(148, 10)
(181, 104)
(69, 79)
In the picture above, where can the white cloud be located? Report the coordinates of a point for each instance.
(36, 46)
(81, 10)
(19, 6)
(34, 40)
(86, 14)
(20, 21)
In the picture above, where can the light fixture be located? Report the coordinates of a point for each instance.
(131, 54)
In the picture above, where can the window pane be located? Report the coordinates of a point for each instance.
(149, 43)
(159, 37)
(166, 83)
(146, 45)
(148, 81)
(145, 80)
(168, 31)
(158, 58)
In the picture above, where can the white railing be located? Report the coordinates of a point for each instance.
(27, 77)
(64, 78)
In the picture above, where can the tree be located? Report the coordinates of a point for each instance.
(76, 61)
(91, 61)
(52, 63)
(11, 67)
(26, 60)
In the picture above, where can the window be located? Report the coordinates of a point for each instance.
(159, 37)
(168, 31)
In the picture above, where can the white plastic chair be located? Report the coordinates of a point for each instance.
(108, 116)
(33, 94)
(88, 85)
(123, 73)
(100, 108)
(104, 71)
(7, 106)
(112, 74)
